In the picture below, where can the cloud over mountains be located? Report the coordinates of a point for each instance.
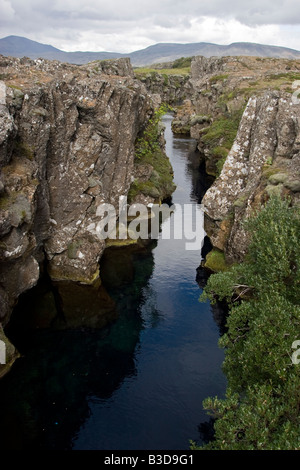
(128, 25)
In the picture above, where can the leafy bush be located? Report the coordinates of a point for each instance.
(261, 409)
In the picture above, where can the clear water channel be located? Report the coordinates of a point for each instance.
(137, 383)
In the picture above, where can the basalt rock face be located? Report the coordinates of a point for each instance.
(264, 160)
(67, 136)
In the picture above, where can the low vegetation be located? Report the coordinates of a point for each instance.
(149, 151)
(220, 135)
(180, 66)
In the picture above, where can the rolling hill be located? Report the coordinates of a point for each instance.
(17, 46)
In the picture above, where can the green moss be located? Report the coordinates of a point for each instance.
(223, 130)
(293, 185)
(63, 274)
(220, 152)
(14, 87)
(278, 178)
(147, 188)
(290, 76)
(178, 128)
(166, 79)
(199, 119)
(217, 78)
(5, 202)
(269, 161)
(73, 248)
(219, 165)
(274, 191)
(215, 261)
(24, 150)
(160, 184)
(269, 170)
(240, 201)
(225, 98)
(148, 151)
(120, 243)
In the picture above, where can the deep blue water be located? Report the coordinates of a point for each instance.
(139, 382)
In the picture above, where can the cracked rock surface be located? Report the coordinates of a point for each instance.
(67, 136)
(264, 160)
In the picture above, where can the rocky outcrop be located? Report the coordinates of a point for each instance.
(221, 88)
(223, 84)
(67, 138)
(264, 160)
(171, 89)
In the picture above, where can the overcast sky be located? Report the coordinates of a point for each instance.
(129, 25)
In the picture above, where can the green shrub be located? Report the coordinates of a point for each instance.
(182, 63)
(261, 408)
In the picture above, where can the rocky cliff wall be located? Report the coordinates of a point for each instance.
(221, 88)
(171, 89)
(264, 160)
(67, 137)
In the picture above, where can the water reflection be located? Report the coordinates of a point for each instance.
(194, 169)
(139, 381)
(47, 392)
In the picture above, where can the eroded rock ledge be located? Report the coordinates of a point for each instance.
(67, 136)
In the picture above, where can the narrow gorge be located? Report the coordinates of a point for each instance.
(75, 137)
(62, 155)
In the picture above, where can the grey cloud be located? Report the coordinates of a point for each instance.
(149, 20)
(250, 12)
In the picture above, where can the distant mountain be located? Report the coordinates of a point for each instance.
(16, 46)
(170, 51)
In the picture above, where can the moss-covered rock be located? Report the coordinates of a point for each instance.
(215, 261)
(153, 170)
(274, 190)
(293, 185)
(278, 178)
